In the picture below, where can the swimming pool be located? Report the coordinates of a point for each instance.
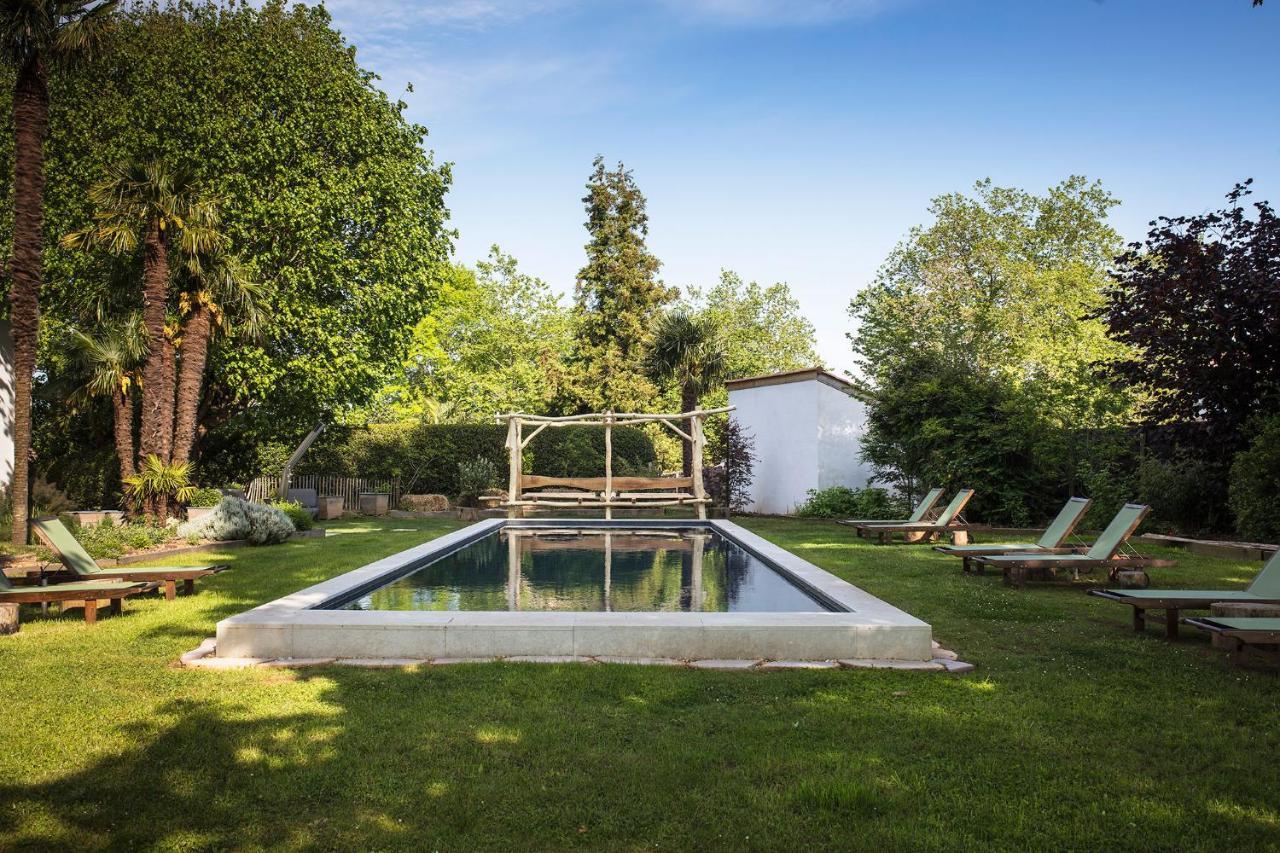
(586, 570)
(560, 588)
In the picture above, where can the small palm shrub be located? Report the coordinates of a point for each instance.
(843, 502)
(157, 481)
(298, 514)
(475, 477)
(234, 518)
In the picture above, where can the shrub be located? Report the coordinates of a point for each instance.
(205, 497)
(1186, 494)
(474, 479)
(106, 540)
(298, 514)
(234, 518)
(843, 502)
(1255, 483)
(159, 479)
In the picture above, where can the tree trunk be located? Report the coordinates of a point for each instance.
(157, 371)
(122, 403)
(30, 126)
(194, 352)
(688, 402)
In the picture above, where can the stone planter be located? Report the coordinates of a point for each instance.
(375, 503)
(329, 506)
(195, 513)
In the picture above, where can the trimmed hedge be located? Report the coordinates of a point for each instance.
(425, 456)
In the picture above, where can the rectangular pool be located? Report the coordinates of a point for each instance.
(612, 570)
(578, 589)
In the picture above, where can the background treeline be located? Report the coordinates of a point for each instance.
(1016, 347)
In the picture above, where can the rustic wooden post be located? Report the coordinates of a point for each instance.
(699, 490)
(608, 465)
(695, 569)
(513, 466)
(608, 569)
(513, 569)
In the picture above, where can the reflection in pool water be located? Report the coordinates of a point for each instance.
(623, 570)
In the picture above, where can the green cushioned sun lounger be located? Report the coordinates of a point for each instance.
(948, 520)
(1265, 589)
(1103, 552)
(1257, 631)
(77, 561)
(926, 505)
(1051, 541)
(88, 594)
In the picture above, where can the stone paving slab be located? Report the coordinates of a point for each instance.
(296, 663)
(723, 664)
(875, 663)
(380, 663)
(549, 659)
(800, 664)
(641, 661)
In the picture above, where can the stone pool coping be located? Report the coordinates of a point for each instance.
(294, 628)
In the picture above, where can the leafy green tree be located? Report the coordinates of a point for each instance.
(1004, 284)
(34, 35)
(328, 195)
(688, 351)
(761, 327)
(617, 299)
(496, 341)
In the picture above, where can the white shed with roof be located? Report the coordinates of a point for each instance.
(808, 427)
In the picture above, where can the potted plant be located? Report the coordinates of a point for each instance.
(474, 479)
(202, 503)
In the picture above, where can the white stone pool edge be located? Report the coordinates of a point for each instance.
(291, 629)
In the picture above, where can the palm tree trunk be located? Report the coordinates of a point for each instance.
(157, 369)
(30, 125)
(122, 403)
(194, 352)
(688, 402)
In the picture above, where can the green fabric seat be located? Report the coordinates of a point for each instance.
(6, 586)
(948, 514)
(1265, 588)
(1243, 623)
(1102, 550)
(1053, 537)
(927, 503)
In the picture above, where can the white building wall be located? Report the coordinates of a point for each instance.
(6, 405)
(784, 421)
(842, 421)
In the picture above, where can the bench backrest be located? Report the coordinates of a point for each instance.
(1120, 528)
(956, 506)
(927, 503)
(597, 484)
(1268, 580)
(1057, 532)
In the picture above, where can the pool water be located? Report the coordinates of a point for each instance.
(672, 570)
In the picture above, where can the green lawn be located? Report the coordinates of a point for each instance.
(1073, 732)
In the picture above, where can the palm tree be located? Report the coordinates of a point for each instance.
(157, 209)
(112, 360)
(34, 33)
(218, 293)
(687, 349)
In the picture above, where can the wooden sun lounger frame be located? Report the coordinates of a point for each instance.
(114, 595)
(928, 531)
(1267, 642)
(607, 492)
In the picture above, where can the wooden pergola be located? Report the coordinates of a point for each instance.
(607, 492)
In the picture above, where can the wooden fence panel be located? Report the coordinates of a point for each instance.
(266, 487)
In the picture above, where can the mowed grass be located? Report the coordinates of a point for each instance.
(1073, 733)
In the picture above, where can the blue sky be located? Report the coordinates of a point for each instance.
(799, 141)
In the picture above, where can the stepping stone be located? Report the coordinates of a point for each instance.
(205, 649)
(800, 664)
(877, 663)
(640, 661)
(226, 663)
(449, 661)
(548, 659)
(296, 663)
(955, 666)
(380, 663)
(723, 664)
(947, 654)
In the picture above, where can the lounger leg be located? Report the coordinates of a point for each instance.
(90, 611)
(117, 606)
(170, 590)
(1171, 624)
(189, 586)
(1139, 620)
